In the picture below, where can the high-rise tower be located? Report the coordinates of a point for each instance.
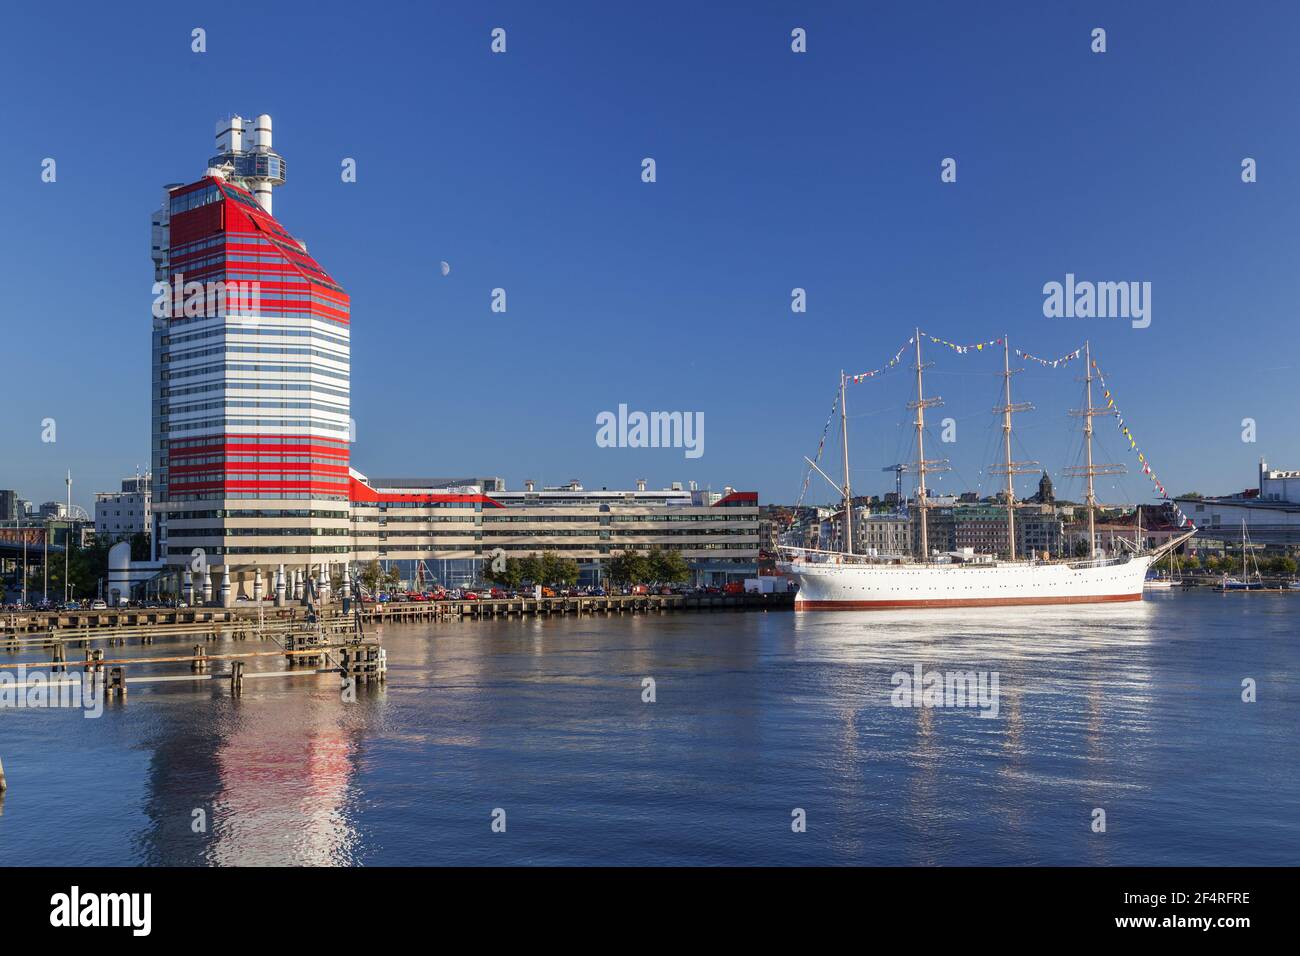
(250, 376)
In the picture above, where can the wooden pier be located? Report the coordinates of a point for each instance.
(615, 604)
(117, 626)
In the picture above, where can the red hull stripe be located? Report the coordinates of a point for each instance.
(959, 602)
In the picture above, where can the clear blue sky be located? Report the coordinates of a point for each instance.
(775, 170)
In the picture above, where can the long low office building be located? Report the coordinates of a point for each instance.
(440, 531)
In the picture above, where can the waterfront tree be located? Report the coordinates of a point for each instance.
(511, 576)
(392, 578)
(554, 569)
(371, 575)
(667, 566)
(628, 567)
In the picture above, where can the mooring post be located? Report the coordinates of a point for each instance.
(236, 678)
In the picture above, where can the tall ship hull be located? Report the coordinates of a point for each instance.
(826, 586)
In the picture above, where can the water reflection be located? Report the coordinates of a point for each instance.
(1134, 709)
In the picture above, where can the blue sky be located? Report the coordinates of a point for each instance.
(775, 171)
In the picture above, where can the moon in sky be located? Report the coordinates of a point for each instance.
(446, 267)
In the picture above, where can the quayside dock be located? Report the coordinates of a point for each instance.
(244, 619)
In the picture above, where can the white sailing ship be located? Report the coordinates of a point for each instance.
(849, 581)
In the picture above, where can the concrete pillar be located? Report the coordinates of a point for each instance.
(279, 587)
(297, 584)
(322, 584)
(347, 588)
(227, 599)
(257, 585)
(207, 585)
(189, 587)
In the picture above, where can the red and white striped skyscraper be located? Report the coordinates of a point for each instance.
(250, 378)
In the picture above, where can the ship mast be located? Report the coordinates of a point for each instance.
(1008, 467)
(923, 467)
(1087, 430)
(1090, 470)
(848, 492)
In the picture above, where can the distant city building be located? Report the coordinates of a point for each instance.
(940, 530)
(121, 514)
(1039, 530)
(881, 532)
(982, 527)
(1046, 495)
(54, 509)
(9, 507)
(1270, 511)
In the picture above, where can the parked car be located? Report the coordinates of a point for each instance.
(734, 587)
(597, 592)
(98, 606)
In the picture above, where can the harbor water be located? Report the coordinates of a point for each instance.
(700, 738)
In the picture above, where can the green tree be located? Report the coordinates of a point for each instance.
(139, 546)
(566, 572)
(511, 576)
(86, 568)
(530, 569)
(371, 575)
(392, 578)
(667, 566)
(629, 567)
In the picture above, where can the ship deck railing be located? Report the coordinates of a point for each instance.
(800, 556)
